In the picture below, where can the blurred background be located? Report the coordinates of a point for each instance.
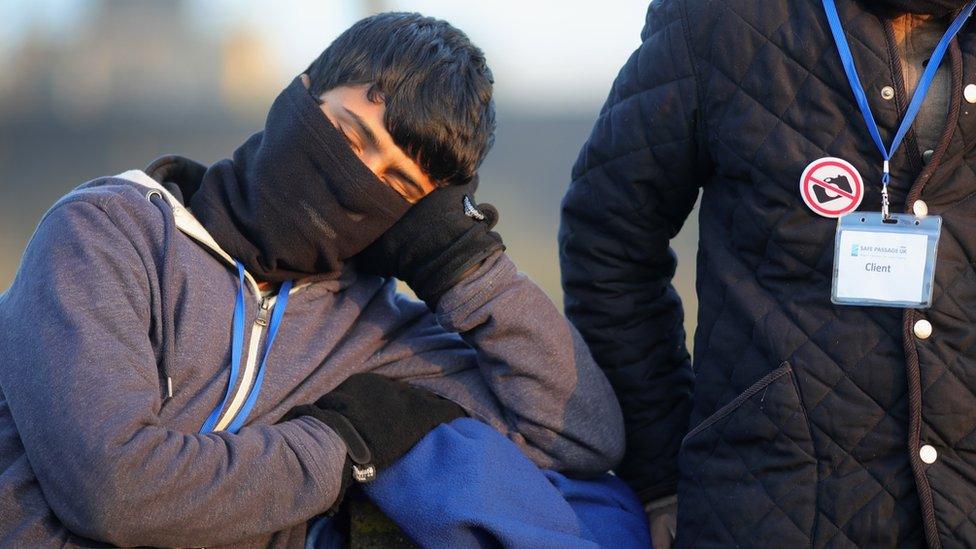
(96, 87)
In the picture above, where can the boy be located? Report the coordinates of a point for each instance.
(169, 330)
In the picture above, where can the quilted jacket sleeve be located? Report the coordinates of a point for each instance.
(634, 184)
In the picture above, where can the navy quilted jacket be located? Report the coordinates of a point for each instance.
(801, 422)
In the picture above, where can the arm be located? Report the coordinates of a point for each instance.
(80, 376)
(516, 355)
(543, 389)
(634, 184)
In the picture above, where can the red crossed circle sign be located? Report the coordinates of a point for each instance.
(831, 187)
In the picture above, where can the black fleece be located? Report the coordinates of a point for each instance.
(295, 200)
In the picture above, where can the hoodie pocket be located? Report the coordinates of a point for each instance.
(749, 472)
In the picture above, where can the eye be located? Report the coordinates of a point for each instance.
(355, 147)
(393, 184)
(397, 185)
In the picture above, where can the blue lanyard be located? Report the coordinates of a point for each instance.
(924, 83)
(237, 351)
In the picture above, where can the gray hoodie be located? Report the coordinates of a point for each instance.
(115, 345)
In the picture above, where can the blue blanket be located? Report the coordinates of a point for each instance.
(466, 485)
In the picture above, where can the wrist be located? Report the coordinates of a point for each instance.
(454, 266)
(469, 272)
(457, 310)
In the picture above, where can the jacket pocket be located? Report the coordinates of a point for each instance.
(749, 472)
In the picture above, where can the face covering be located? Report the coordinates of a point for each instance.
(938, 8)
(295, 200)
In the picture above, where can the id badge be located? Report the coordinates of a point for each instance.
(885, 263)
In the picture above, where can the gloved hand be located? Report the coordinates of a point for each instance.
(380, 419)
(436, 242)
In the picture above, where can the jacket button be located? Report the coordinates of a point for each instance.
(888, 93)
(928, 454)
(923, 329)
(970, 93)
(920, 208)
(927, 156)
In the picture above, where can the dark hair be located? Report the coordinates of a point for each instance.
(435, 83)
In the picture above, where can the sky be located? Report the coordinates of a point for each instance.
(547, 55)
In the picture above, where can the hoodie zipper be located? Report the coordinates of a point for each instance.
(265, 307)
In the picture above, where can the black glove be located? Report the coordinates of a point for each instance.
(436, 242)
(380, 419)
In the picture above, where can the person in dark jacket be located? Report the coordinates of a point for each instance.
(210, 355)
(799, 422)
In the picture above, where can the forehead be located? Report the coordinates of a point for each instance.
(356, 98)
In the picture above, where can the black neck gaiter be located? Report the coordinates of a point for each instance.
(295, 200)
(939, 8)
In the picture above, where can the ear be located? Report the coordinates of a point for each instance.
(306, 81)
